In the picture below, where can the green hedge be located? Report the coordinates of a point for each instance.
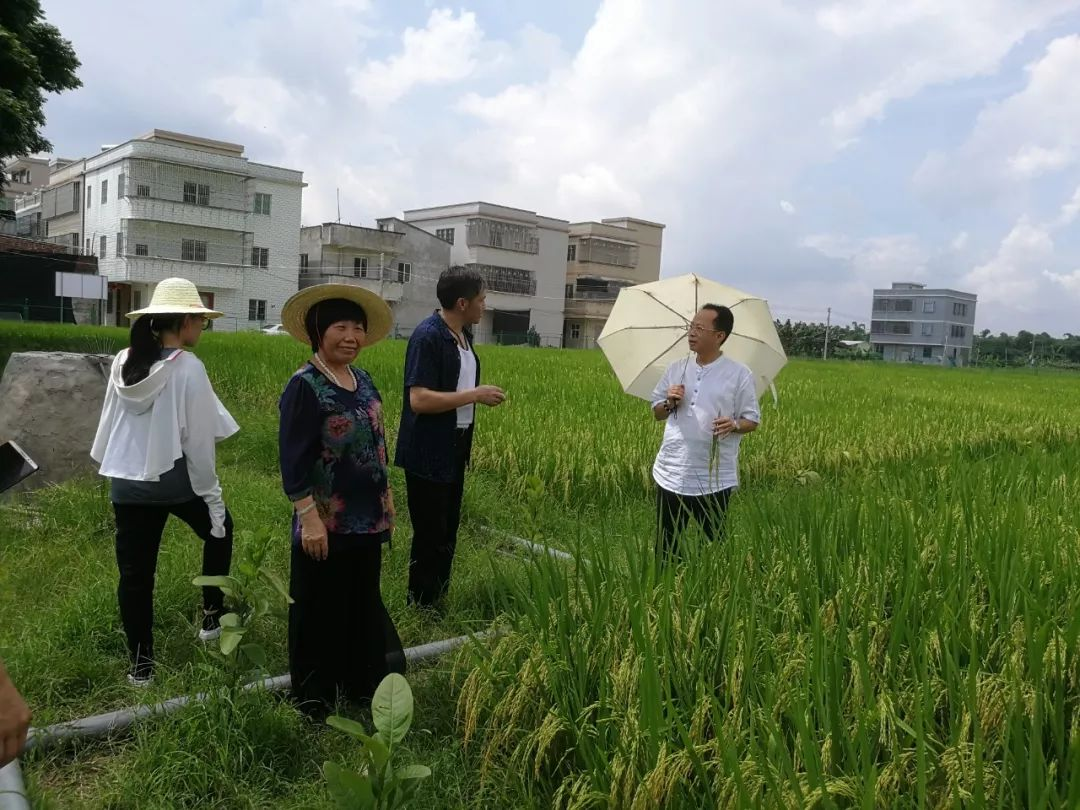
(57, 337)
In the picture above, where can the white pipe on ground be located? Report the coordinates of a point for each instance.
(536, 548)
(101, 725)
(12, 789)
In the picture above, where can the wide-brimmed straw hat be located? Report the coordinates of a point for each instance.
(175, 296)
(379, 317)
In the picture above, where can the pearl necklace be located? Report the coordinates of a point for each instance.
(326, 370)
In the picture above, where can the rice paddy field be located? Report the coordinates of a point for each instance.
(893, 621)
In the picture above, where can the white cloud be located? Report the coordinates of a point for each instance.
(787, 207)
(1069, 211)
(443, 52)
(1012, 275)
(876, 260)
(959, 241)
(1032, 133)
(1070, 282)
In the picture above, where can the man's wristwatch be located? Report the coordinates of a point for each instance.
(735, 429)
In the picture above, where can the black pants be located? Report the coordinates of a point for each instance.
(673, 511)
(138, 539)
(341, 639)
(435, 512)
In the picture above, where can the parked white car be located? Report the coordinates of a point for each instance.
(274, 329)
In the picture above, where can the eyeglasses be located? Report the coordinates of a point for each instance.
(205, 323)
(695, 329)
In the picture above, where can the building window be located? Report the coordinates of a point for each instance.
(109, 302)
(446, 234)
(891, 327)
(927, 352)
(928, 306)
(571, 253)
(260, 257)
(506, 279)
(575, 331)
(193, 250)
(76, 193)
(303, 262)
(89, 196)
(404, 272)
(360, 267)
(88, 246)
(104, 246)
(927, 329)
(120, 186)
(104, 191)
(119, 244)
(196, 193)
(142, 250)
(569, 290)
(136, 299)
(958, 331)
(960, 310)
(256, 309)
(262, 203)
(74, 237)
(142, 190)
(903, 305)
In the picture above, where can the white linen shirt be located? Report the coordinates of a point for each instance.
(173, 412)
(466, 380)
(723, 387)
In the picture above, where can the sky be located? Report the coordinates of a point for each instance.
(803, 151)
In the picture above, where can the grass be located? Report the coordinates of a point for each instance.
(897, 630)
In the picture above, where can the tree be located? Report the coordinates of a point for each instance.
(34, 59)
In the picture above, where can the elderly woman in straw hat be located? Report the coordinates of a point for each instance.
(156, 442)
(334, 470)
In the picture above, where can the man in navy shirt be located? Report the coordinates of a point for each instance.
(442, 389)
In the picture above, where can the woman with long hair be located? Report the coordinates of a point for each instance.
(155, 443)
(334, 470)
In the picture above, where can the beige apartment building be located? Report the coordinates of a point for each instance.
(601, 259)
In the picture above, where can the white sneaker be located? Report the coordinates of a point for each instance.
(211, 627)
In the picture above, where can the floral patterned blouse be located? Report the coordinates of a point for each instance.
(333, 447)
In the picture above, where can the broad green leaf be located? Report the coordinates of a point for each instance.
(376, 748)
(255, 654)
(216, 582)
(350, 727)
(413, 772)
(230, 620)
(349, 789)
(275, 582)
(230, 640)
(392, 707)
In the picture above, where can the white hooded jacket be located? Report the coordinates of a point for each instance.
(172, 413)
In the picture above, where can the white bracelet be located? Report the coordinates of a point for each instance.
(305, 510)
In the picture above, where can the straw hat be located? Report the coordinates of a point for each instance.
(175, 296)
(294, 312)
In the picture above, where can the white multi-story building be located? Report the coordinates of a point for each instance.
(398, 262)
(913, 324)
(167, 204)
(522, 257)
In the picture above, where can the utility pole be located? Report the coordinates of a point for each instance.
(828, 323)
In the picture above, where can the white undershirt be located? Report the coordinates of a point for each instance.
(466, 380)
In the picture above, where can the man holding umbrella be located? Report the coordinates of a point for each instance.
(709, 402)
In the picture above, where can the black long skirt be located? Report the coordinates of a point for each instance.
(342, 642)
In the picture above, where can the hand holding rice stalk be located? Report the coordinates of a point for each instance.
(722, 427)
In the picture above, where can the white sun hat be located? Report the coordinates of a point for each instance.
(380, 318)
(175, 296)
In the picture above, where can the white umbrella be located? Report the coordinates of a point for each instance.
(648, 324)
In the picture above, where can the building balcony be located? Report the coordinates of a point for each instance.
(589, 307)
(502, 235)
(178, 213)
(384, 284)
(367, 240)
(26, 202)
(147, 270)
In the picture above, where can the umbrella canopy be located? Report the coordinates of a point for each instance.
(647, 330)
